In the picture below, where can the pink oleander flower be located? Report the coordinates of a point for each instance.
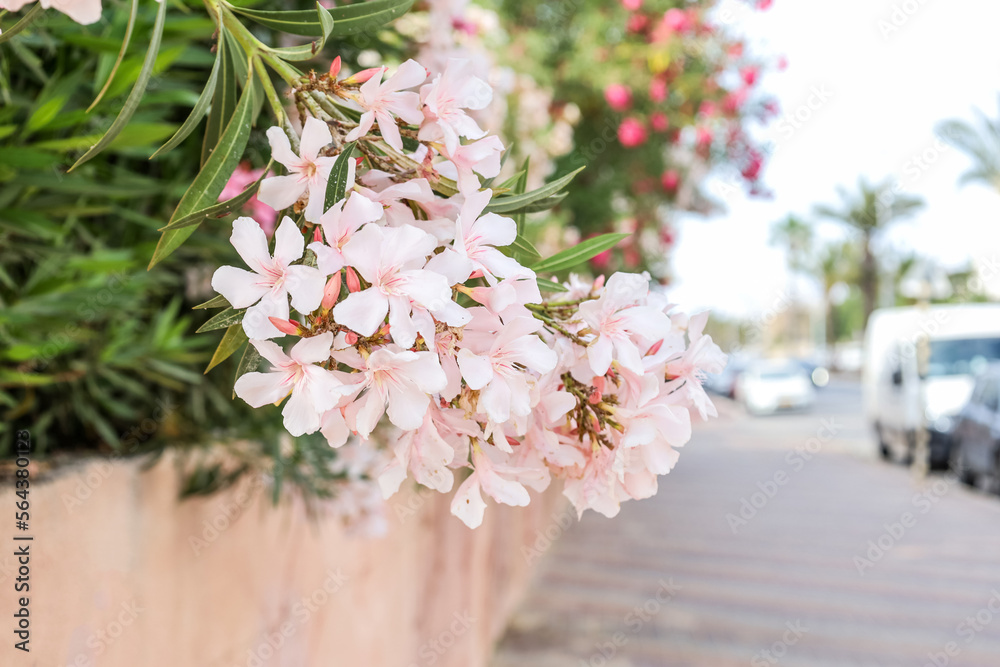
(308, 172)
(313, 389)
(658, 89)
(670, 180)
(397, 382)
(493, 479)
(481, 157)
(689, 369)
(659, 122)
(632, 133)
(379, 101)
(264, 290)
(391, 260)
(493, 363)
(339, 224)
(616, 318)
(477, 238)
(83, 12)
(265, 216)
(618, 96)
(445, 100)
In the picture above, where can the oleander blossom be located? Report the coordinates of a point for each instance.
(424, 341)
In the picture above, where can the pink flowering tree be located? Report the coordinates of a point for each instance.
(667, 94)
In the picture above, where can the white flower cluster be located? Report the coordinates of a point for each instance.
(408, 310)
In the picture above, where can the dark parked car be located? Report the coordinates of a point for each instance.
(975, 450)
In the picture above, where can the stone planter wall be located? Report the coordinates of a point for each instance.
(123, 574)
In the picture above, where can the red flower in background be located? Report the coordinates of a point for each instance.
(618, 96)
(632, 133)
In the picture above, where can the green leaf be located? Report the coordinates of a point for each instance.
(519, 187)
(549, 286)
(25, 21)
(516, 203)
(121, 54)
(214, 302)
(198, 112)
(249, 362)
(347, 20)
(212, 178)
(225, 99)
(524, 247)
(231, 341)
(222, 209)
(336, 187)
(226, 318)
(132, 103)
(308, 51)
(579, 253)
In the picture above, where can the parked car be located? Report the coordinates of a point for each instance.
(960, 341)
(975, 450)
(766, 386)
(724, 383)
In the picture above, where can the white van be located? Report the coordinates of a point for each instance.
(961, 341)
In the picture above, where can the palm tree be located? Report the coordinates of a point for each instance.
(868, 211)
(981, 142)
(837, 264)
(796, 237)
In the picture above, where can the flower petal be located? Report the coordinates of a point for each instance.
(260, 389)
(280, 192)
(362, 312)
(240, 287)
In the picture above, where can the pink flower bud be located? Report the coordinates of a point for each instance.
(353, 282)
(289, 327)
(364, 75)
(335, 67)
(655, 348)
(318, 235)
(749, 75)
(351, 338)
(331, 292)
(599, 283)
(659, 121)
(619, 97)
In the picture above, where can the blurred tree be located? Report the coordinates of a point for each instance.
(981, 142)
(868, 211)
(795, 237)
(837, 264)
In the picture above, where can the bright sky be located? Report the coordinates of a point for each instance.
(885, 95)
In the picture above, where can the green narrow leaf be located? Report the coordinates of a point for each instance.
(226, 318)
(336, 187)
(200, 107)
(132, 103)
(249, 362)
(350, 19)
(525, 247)
(223, 101)
(222, 209)
(515, 203)
(214, 302)
(308, 51)
(519, 187)
(579, 253)
(549, 286)
(25, 21)
(212, 178)
(231, 341)
(121, 54)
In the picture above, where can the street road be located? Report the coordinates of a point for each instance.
(778, 540)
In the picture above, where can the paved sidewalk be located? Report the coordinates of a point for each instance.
(844, 561)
